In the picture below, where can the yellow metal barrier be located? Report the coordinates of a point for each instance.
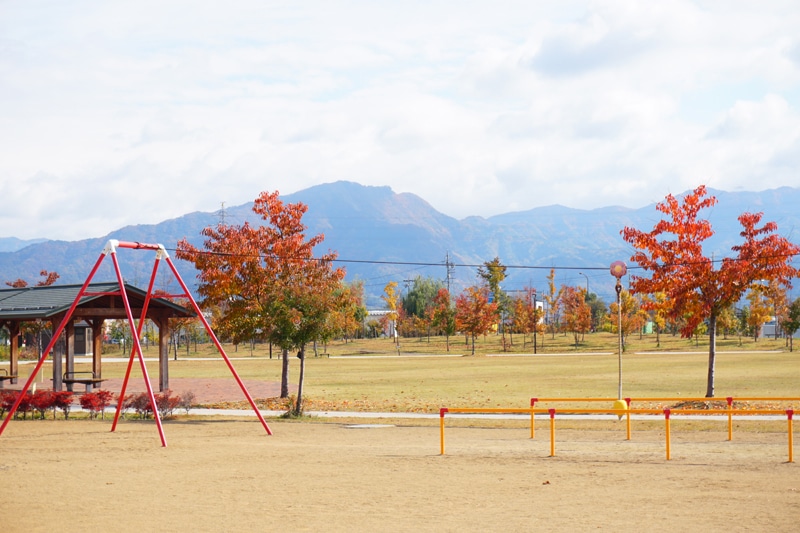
(620, 412)
(628, 401)
(789, 415)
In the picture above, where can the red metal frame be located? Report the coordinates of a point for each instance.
(161, 253)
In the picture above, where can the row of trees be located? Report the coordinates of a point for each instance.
(427, 310)
(265, 283)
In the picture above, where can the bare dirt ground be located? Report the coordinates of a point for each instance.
(221, 474)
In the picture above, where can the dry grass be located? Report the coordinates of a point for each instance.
(368, 375)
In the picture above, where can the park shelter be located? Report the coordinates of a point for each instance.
(101, 301)
(144, 312)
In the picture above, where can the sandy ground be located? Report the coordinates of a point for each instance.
(220, 474)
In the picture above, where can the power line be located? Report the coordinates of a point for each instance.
(451, 265)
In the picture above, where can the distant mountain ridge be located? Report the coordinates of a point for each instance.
(381, 235)
(12, 244)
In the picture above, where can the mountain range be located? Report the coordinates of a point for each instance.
(381, 236)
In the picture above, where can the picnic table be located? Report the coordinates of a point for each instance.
(88, 379)
(5, 376)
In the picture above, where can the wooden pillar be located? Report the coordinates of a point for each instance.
(97, 346)
(13, 336)
(69, 330)
(163, 352)
(56, 354)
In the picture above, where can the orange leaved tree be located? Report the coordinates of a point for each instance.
(577, 313)
(698, 291)
(267, 280)
(475, 314)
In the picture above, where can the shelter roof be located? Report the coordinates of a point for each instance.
(100, 300)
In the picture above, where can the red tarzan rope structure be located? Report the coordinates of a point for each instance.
(161, 253)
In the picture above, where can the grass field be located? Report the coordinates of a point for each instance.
(369, 375)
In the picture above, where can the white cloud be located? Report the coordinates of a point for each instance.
(479, 108)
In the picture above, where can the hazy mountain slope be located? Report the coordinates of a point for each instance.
(12, 244)
(371, 228)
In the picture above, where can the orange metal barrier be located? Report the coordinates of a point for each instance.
(620, 412)
(628, 401)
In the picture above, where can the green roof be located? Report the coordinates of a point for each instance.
(30, 303)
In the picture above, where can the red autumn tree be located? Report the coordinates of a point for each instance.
(475, 314)
(48, 278)
(267, 281)
(34, 330)
(672, 252)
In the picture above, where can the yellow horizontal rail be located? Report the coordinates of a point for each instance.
(629, 401)
(627, 412)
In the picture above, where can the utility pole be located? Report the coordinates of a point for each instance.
(449, 269)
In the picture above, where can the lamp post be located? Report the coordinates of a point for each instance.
(535, 321)
(587, 282)
(619, 269)
(585, 298)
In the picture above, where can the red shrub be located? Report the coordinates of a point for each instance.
(91, 403)
(42, 400)
(104, 398)
(7, 399)
(167, 403)
(139, 403)
(24, 405)
(62, 400)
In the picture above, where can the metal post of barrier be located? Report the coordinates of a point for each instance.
(789, 415)
(552, 432)
(730, 417)
(628, 419)
(533, 429)
(442, 411)
(666, 419)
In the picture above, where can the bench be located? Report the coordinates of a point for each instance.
(89, 379)
(4, 375)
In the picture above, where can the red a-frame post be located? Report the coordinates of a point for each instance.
(161, 253)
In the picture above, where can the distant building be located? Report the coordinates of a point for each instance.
(376, 315)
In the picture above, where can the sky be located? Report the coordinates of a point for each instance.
(135, 112)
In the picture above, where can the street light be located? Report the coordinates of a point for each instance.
(587, 281)
(535, 320)
(619, 269)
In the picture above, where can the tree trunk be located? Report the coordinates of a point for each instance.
(298, 404)
(285, 375)
(473, 345)
(712, 353)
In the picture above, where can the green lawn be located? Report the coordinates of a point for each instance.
(369, 375)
